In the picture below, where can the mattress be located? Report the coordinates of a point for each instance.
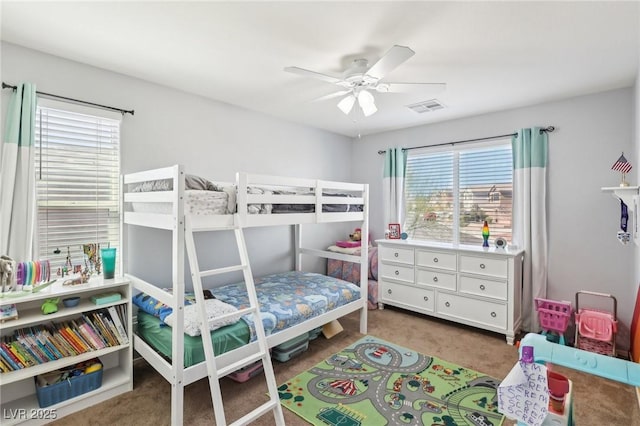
(196, 202)
(206, 198)
(289, 298)
(286, 299)
(158, 335)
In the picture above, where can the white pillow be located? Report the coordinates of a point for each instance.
(214, 308)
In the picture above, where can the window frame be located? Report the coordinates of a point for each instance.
(456, 148)
(98, 113)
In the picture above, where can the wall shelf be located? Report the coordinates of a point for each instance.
(630, 195)
(624, 193)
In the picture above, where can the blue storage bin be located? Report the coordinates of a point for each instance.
(74, 386)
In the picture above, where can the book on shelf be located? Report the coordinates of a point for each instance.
(122, 333)
(28, 341)
(22, 353)
(4, 367)
(104, 327)
(41, 336)
(16, 355)
(95, 333)
(75, 329)
(73, 338)
(101, 299)
(106, 319)
(9, 357)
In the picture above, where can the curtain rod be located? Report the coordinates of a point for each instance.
(545, 129)
(120, 110)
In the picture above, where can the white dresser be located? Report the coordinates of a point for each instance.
(467, 284)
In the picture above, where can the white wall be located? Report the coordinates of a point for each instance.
(210, 138)
(591, 131)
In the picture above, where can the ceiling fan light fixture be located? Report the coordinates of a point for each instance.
(346, 104)
(367, 103)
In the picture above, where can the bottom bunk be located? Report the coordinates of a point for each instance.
(291, 304)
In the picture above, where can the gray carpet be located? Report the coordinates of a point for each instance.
(597, 401)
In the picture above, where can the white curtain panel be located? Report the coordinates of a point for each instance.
(530, 148)
(395, 164)
(17, 176)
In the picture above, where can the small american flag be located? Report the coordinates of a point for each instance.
(622, 165)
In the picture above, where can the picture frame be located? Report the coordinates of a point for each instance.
(394, 231)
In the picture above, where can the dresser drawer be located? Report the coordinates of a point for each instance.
(396, 272)
(484, 265)
(472, 310)
(396, 255)
(438, 279)
(422, 299)
(436, 259)
(483, 287)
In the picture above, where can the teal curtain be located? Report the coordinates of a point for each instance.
(530, 152)
(395, 166)
(17, 176)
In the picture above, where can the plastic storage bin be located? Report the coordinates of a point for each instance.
(291, 348)
(69, 388)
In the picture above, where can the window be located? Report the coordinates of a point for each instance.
(450, 192)
(77, 180)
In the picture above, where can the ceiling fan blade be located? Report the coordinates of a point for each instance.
(394, 57)
(332, 95)
(410, 87)
(308, 73)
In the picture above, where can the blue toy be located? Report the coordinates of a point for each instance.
(577, 359)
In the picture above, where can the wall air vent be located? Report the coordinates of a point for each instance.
(426, 106)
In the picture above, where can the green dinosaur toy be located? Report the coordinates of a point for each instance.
(50, 306)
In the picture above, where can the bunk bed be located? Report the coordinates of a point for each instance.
(182, 204)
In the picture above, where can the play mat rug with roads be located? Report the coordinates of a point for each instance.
(374, 382)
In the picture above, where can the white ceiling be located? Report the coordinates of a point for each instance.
(492, 55)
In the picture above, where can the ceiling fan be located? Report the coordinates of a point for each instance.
(360, 80)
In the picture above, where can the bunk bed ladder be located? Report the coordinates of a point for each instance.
(215, 373)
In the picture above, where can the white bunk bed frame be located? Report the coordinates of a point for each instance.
(178, 224)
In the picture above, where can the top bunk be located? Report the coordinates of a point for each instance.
(158, 198)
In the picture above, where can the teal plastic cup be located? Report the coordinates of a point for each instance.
(108, 262)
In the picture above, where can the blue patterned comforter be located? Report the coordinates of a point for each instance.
(289, 298)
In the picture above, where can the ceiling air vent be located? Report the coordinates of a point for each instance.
(426, 106)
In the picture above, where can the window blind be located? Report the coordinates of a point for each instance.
(450, 193)
(77, 182)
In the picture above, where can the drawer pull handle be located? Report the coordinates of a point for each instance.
(397, 272)
(389, 291)
(395, 254)
(482, 266)
(482, 287)
(447, 304)
(493, 314)
(435, 279)
(426, 298)
(435, 260)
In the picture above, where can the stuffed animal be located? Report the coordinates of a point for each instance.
(7, 268)
(50, 306)
(357, 235)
